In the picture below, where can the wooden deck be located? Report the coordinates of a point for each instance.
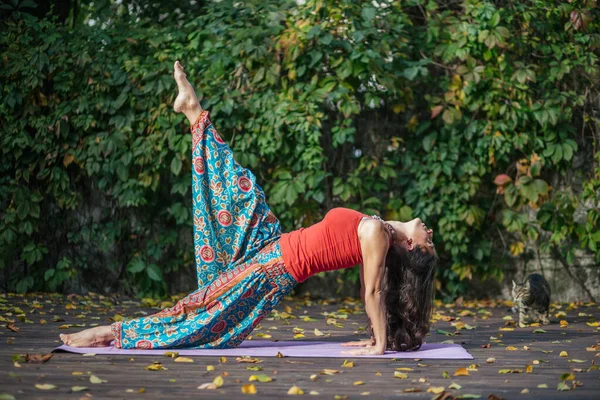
(478, 326)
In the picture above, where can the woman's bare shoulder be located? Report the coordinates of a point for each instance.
(371, 229)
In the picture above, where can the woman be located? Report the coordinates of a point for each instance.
(245, 265)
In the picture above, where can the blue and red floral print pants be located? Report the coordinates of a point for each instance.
(241, 273)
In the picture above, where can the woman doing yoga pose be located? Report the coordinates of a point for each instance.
(245, 264)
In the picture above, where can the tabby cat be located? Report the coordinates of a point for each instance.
(532, 297)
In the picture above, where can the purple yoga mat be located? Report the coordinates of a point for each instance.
(267, 348)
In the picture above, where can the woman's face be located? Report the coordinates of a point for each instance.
(419, 233)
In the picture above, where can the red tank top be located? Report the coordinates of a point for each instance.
(327, 245)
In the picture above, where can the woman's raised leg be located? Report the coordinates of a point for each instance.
(232, 221)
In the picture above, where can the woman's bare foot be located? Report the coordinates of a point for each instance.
(99, 336)
(186, 101)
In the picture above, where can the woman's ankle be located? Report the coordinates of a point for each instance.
(193, 114)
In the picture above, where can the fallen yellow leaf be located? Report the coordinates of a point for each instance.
(435, 389)
(156, 366)
(461, 372)
(329, 372)
(45, 386)
(319, 333)
(348, 364)
(401, 375)
(249, 389)
(358, 383)
(95, 379)
(511, 348)
(563, 354)
(529, 369)
(207, 386)
(295, 390)
(218, 381)
(246, 359)
(261, 378)
(184, 359)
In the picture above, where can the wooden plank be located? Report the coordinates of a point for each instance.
(182, 379)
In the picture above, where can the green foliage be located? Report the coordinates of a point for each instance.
(409, 109)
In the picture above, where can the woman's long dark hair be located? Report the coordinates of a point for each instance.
(408, 296)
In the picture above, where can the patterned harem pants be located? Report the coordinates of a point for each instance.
(241, 273)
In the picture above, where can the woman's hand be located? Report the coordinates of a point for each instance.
(368, 350)
(361, 343)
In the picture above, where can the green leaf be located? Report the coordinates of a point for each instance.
(176, 165)
(428, 141)
(495, 20)
(344, 70)
(411, 73)
(567, 152)
(49, 274)
(136, 265)
(154, 272)
(368, 13)
(541, 186)
(558, 154)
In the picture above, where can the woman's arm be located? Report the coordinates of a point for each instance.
(374, 245)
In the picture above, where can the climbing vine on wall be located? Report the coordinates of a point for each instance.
(480, 117)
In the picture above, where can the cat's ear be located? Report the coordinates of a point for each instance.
(514, 284)
(526, 285)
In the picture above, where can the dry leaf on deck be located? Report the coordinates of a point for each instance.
(329, 372)
(183, 359)
(45, 386)
(295, 390)
(249, 389)
(211, 386)
(95, 379)
(38, 358)
(156, 366)
(247, 360)
(400, 375)
(260, 377)
(218, 381)
(435, 389)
